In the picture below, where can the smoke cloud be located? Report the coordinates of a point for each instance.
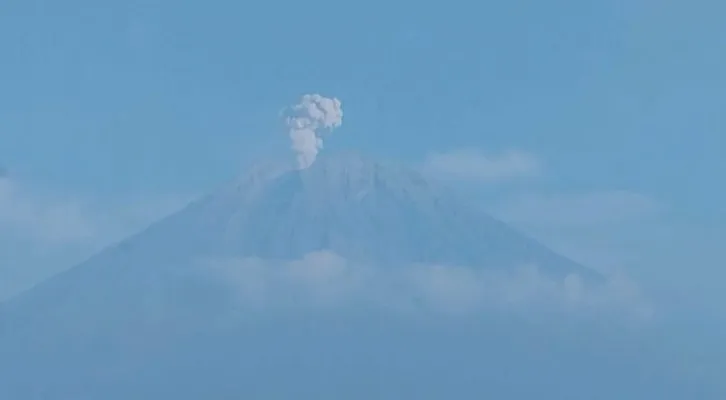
(309, 119)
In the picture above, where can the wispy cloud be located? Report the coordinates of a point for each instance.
(43, 217)
(579, 209)
(476, 165)
(43, 231)
(590, 227)
(46, 217)
(327, 280)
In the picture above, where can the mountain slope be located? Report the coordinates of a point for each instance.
(364, 211)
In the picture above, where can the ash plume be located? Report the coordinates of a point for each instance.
(311, 117)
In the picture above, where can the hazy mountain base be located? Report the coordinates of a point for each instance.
(334, 356)
(323, 328)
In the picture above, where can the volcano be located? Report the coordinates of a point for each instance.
(372, 212)
(138, 320)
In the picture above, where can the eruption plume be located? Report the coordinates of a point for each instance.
(309, 119)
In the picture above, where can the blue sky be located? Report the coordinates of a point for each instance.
(113, 114)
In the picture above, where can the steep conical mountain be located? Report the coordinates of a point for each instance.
(365, 211)
(142, 320)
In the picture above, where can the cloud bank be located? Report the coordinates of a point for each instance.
(324, 279)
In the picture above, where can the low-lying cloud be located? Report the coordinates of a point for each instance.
(47, 217)
(475, 165)
(43, 231)
(579, 209)
(42, 218)
(323, 279)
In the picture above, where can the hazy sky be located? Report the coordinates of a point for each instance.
(596, 126)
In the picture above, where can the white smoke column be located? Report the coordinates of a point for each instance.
(310, 116)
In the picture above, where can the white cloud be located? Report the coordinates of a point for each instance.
(327, 280)
(600, 229)
(475, 165)
(578, 209)
(43, 217)
(43, 232)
